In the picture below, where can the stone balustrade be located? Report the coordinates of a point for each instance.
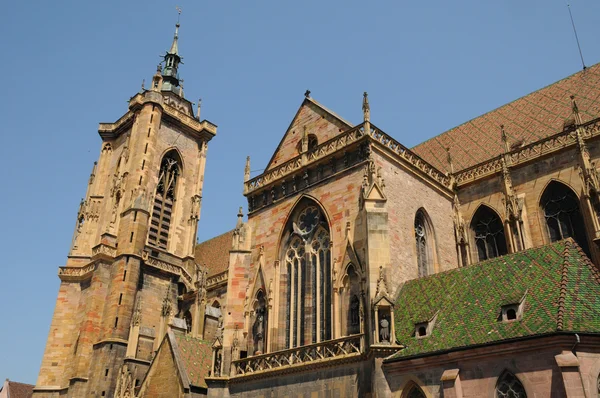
(344, 347)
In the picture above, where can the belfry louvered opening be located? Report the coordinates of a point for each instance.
(164, 199)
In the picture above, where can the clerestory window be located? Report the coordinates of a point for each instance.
(489, 233)
(562, 213)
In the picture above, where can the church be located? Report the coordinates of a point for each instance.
(467, 266)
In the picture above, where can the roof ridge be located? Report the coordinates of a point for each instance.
(564, 276)
(511, 102)
(584, 257)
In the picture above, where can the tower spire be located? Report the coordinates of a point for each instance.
(172, 59)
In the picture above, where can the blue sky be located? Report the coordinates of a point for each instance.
(68, 65)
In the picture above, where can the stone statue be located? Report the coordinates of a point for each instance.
(384, 330)
(217, 372)
(259, 331)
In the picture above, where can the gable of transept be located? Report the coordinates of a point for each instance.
(312, 119)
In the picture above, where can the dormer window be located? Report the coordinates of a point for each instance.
(421, 330)
(512, 312)
(424, 329)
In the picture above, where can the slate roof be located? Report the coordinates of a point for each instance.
(196, 357)
(528, 119)
(17, 390)
(560, 286)
(214, 253)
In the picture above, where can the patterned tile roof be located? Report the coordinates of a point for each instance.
(214, 253)
(196, 357)
(559, 284)
(533, 117)
(16, 390)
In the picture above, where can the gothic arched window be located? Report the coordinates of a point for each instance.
(424, 244)
(162, 207)
(563, 217)
(307, 260)
(508, 386)
(415, 392)
(489, 233)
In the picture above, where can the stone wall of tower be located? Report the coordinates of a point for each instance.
(61, 339)
(95, 311)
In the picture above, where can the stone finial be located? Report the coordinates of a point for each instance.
(143, 85)
(504, 139)
(449, 160)
(305, 140)
(576, 113)
(240, 218)
(366, 107)
(198, 106)
(247, 169)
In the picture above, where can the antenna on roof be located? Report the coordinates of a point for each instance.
(576, 37)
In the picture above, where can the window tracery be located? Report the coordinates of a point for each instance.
(422, 245)
(563, 216)
(415, 392)
(308, 271)
(164, 198)
(489, 234)
(508, 386)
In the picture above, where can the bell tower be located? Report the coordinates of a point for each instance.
(130, 273)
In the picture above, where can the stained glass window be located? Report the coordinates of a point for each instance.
(489, 234)
(509, 386)
(563, 215)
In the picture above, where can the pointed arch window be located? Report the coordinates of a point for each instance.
(164, 199)
(488, 231)
(424, 244)
(307, 260)
(562, 213)
(508, 386)
(415, 392)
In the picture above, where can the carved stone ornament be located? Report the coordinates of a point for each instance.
(125, 386)
(136, 319)
(167, 308)
(459, 224)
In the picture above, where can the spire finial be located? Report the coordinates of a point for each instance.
(366, 107)
(199, 106)
(247, 170)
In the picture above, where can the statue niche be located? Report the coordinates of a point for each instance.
(259, 326)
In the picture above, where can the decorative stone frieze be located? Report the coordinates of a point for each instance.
(76, 274)
(170, 268)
